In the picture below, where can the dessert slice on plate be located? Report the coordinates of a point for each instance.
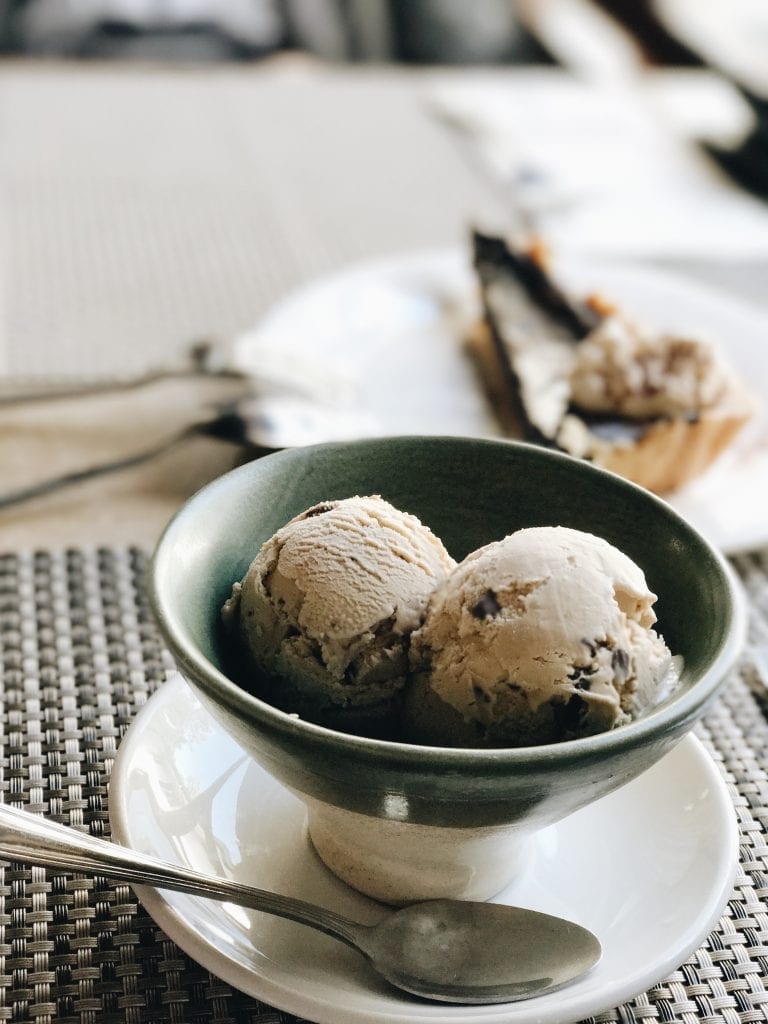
(579, 375)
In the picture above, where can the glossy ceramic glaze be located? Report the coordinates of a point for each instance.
(469, 492)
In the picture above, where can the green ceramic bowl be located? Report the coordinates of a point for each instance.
(365, 795)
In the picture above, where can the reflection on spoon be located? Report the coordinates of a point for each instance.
(446, 950)
(289, 421)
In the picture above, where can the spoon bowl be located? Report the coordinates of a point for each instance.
(445, 950)
(468, 952)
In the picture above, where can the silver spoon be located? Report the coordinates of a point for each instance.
(449, 950)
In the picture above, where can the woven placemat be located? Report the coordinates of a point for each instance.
(80, 654)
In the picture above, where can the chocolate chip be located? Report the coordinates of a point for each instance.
(570, 715)
(385, 627)
(316, 651)
(351, 671)
(317, 510)
(386, 634)
(620, 663)
(581, 675)
(487, 606)
(480, 694)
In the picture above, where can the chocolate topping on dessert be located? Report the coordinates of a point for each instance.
(656, 408)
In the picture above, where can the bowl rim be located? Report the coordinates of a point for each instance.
(676, 713)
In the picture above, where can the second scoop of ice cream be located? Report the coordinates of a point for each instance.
(325, 612)
(543, 636)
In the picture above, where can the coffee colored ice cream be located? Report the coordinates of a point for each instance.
(323, 618)
(541, 637)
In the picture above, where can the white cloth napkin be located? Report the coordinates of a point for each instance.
(612, 168)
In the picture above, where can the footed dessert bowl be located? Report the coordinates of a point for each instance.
(404, 821)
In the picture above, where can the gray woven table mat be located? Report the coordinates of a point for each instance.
(79, 655)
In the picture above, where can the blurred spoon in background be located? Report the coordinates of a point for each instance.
(262, 414)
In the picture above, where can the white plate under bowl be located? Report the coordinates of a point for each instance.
(648, 869)
(386, 337)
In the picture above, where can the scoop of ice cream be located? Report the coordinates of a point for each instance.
(325, 612)
(540, 637)
(622, 368)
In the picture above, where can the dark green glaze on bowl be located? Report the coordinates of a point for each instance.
(469, 492)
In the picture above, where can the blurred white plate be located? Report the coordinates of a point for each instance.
(385, 337)
(648, 868)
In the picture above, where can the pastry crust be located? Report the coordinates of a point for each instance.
(664, 454)
(672, 452)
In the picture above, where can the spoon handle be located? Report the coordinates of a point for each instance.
(51, 390)
(202, 360)
(36, 840)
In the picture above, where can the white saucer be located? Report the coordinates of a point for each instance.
(648, 868)
(386, 337)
